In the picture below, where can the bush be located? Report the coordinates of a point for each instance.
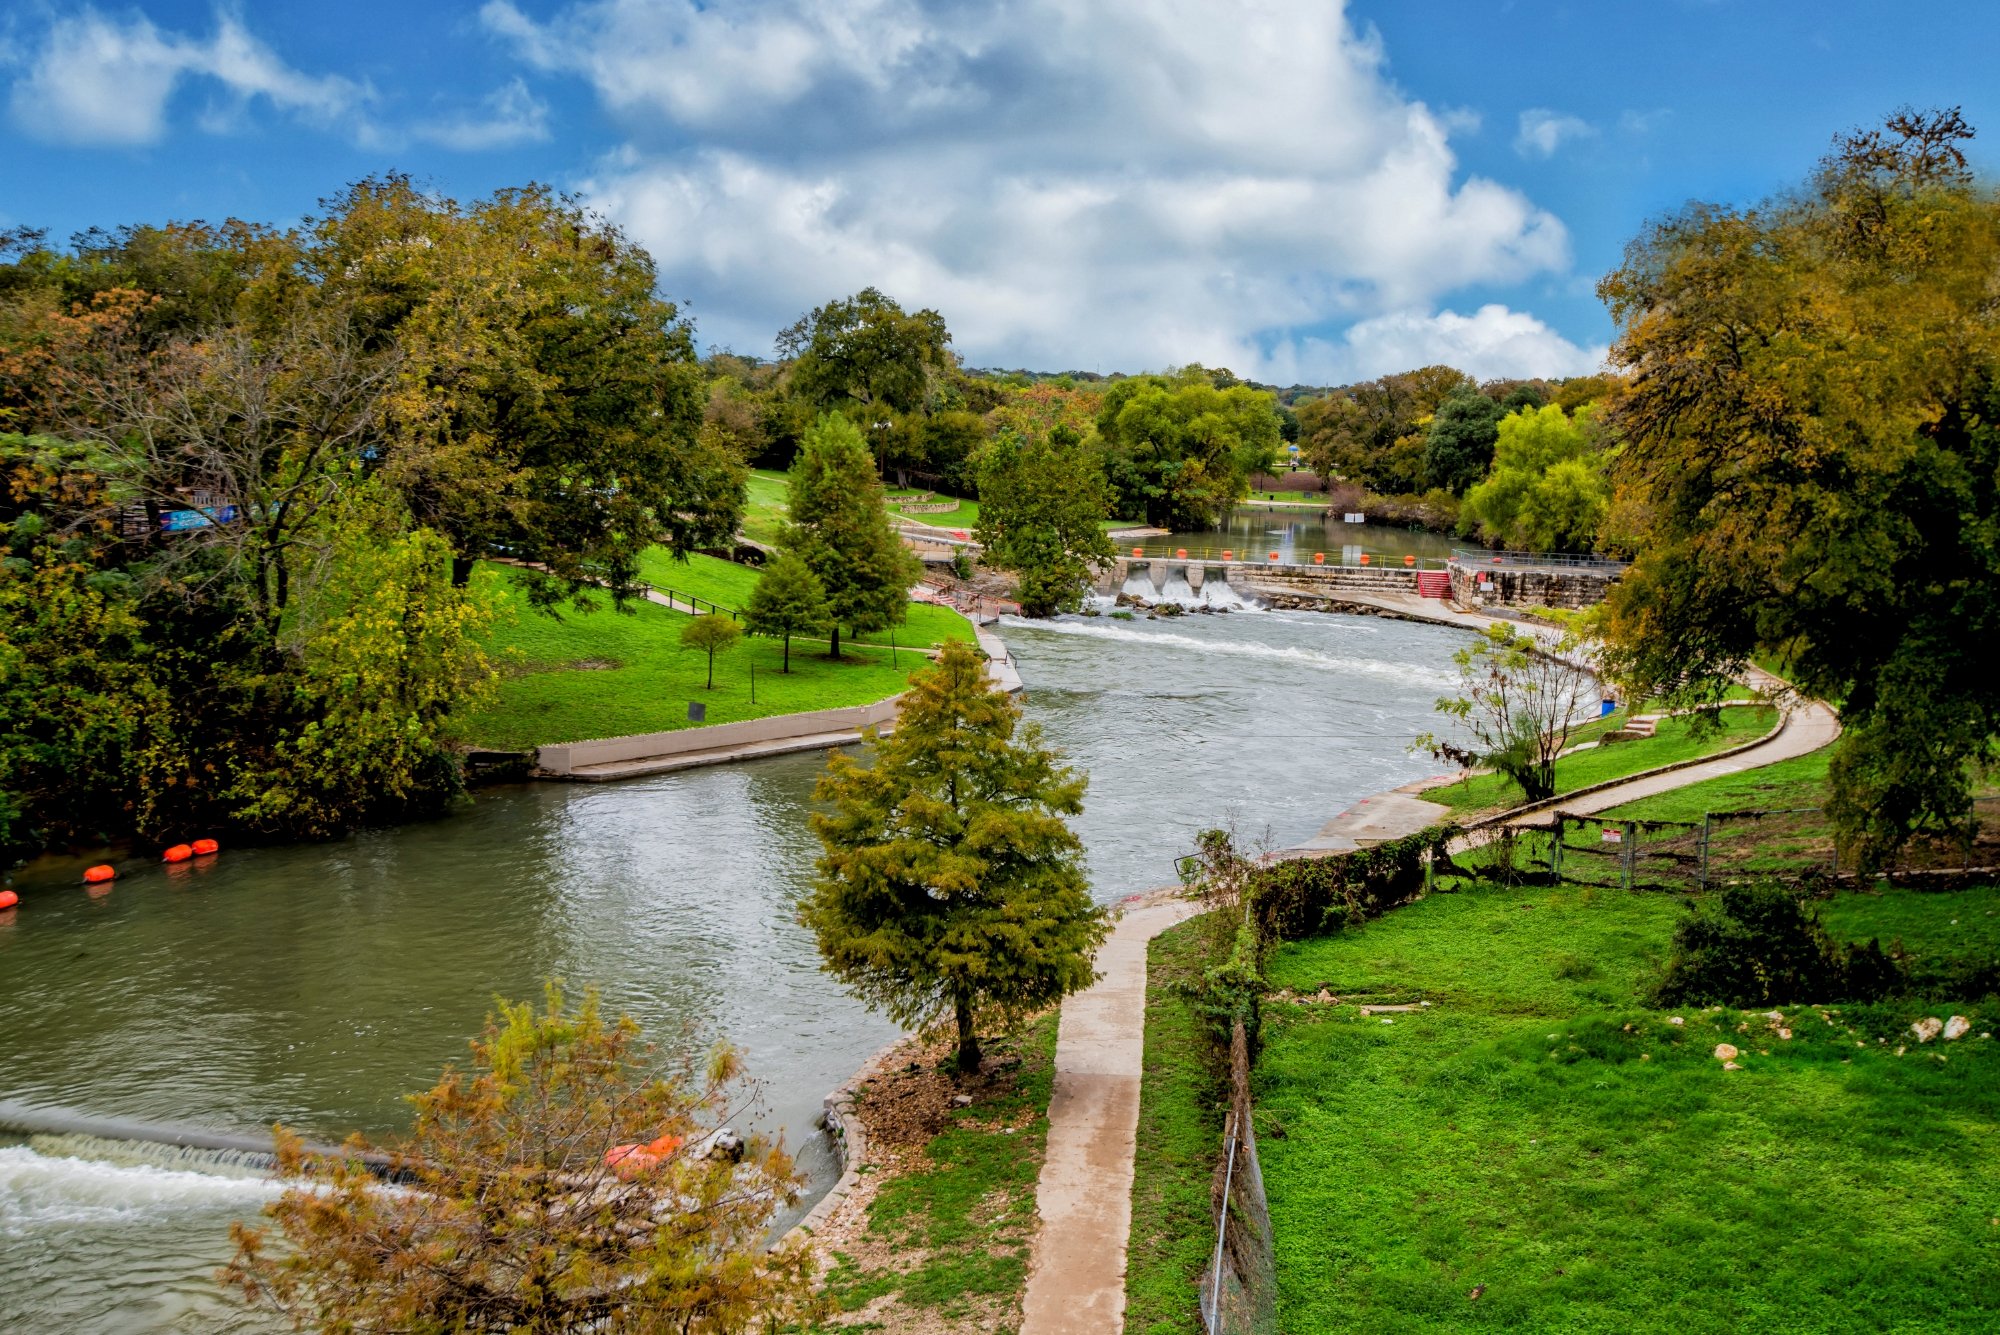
(1760, 945)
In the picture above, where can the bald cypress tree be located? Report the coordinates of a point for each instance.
(952, 885)
(840, 528)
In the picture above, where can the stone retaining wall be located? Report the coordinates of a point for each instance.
(1511, 586)
(566, 757)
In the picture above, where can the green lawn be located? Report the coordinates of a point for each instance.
(1673, 742)
(730, 585)
(607, 674)
(1538, 1151)
(764, 506)
(1181, 1102)
(949, 1239)
(1799, 782)
(965, 516)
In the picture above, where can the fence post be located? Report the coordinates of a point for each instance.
(1703, 883)
(1630, 837)
(1556, 850)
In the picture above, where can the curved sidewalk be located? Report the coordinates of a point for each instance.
(1076, 1277)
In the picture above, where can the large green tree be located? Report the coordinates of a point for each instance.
(1180, 451)
(839, 526)
(1459, 444)
(1547, 491)
(1040, 507)
(1811, 464)
(1374, 432)
(952, 885)
(866, 353)
(788, 600)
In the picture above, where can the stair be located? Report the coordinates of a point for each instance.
(1433, 584)
(1641, 725)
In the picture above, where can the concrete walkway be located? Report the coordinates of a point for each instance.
(1076, 1277)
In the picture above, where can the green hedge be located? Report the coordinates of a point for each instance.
(1306, 897)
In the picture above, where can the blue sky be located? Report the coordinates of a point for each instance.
(1293, 188)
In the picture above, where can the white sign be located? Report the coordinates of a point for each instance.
(1355, 518)
(1613, 835)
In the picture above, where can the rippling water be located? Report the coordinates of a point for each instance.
(317, 985)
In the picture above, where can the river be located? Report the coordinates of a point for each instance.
(316, 985)
(1298, 533)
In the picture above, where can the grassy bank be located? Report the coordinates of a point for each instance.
(726, 583)
(607, 674)
(1181, 1101)
(1677, 739)
(944, 1244)
(1539, 1150)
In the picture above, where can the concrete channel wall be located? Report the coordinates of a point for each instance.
(1246, 577)
(567, 757)
(1515, 586)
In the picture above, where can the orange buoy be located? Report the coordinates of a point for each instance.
(206, 848)
(8, 899)
(1229, 556)
(1496, 560)
(1180, 553)
(99, 874)
(1319, 558)
(1409, 560)
(1274, 556)
(1138, 551)
(178, 853)
(1364, 558)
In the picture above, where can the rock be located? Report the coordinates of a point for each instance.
(1725, 1052)
(1956, 1027)
(1784, 1033)
(1676, 1020)
(726, 1144)
(1731, 1066)
(961, 1100)
(1927, 1028)
(1775, 1017)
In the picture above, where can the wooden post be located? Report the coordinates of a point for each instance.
(1703, 882)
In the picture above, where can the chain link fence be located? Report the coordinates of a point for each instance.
(1239, 1294)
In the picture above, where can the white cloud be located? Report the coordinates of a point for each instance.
(506, 117)
(1127, 184)
(1493, 341)
(1543, 131)
(99, 80)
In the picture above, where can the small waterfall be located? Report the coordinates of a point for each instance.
(1217, 593)
(1139, 584)
(1178, 590)
(152, 1154)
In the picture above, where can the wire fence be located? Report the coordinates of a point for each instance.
(1239, 1294)
(1722, 847)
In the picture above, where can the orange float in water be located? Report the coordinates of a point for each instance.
(1319, 558)
(8, 899)
(1180, 553)
(1229, 556)
(178, 853)
(99, 874)
(1409, 560)
(1364, 558)
(631, 1160)
(206, 848)
(1138, 551)
(1274, 556)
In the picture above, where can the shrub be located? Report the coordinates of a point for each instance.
(1760, 945)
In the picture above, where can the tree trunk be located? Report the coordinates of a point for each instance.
(836, 639)
(711, 669)
(788, 651)
(968, 1042)
(461, 571)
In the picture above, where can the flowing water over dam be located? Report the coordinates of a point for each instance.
(316, 985)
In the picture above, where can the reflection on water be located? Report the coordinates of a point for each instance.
(318, 985)
(1252, 533)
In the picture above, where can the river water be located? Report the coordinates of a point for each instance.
(1297, 533)
(316, 985)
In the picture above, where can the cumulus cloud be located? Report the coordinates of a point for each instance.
(1542, 132)
(504, 118)
(1492, 342)
(101, 80)
(1126, 184)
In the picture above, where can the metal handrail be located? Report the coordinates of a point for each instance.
(1484, 556)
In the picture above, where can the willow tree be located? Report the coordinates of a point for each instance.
(952, 886)
(1811, 461)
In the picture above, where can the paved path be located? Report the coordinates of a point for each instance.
(1076, 1278)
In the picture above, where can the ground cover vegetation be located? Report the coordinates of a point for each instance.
(569, 1180)
(575, 677)
(950, 1218)
(952, 889)
(1520, 702)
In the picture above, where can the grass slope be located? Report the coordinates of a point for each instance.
(1537, 1150)
(1674, 741)
(729, 584)
(607, 674)
(1181, 1101)
(949, 1236)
